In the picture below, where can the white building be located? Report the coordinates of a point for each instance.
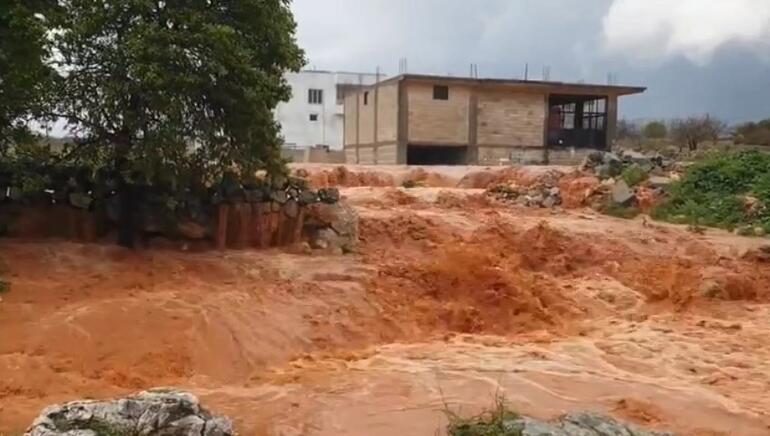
(315, 113)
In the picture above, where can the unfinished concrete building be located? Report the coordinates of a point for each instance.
(434, 120)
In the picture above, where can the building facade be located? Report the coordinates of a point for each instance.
(425, 120)
(314, 116)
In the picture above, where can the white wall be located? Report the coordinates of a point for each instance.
(294, 115)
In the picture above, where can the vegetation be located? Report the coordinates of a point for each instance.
(628, 131)
(4, 286)
(494, 422)
(168, 101)
(409, 184)
(176, 88)
(24, 76)
(655, 130)
(725, 190)
(753, 133)
(690, 132)
(634, 175)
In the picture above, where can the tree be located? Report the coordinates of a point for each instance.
(169, 87)
(655, 130)
(628, 131)
(692, 131)
(753, 133)
(24, 75)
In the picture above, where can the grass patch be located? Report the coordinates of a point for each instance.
(409, 184)
(496, 422)
(726, 190)
(634, 175)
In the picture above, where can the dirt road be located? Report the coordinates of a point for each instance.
(450, 299)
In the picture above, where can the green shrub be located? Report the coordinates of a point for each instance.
(409, 184)
(714, 192)
(490, 423)
(655, 130)
(634, 175)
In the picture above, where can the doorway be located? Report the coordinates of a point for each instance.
(436, 155)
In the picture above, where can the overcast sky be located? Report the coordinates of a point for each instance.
(695, 56)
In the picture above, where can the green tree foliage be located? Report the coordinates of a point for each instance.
(725, 190)
(655, 130)
(754, 133)
(24, 75)
(176, 87)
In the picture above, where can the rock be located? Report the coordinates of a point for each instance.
(80, 200)
(159, 412)
(329, 195)
(279, 196)
(192, 230)
(522, 200)
(340, 217)
(320, 241)
(759, 231)
(578, 424)
(550, 202)
(611, 159)
(291, 209)
(554, 191)
(622, 194)
(308, 197)
(254, 195)
(603, 171)
(659, 182)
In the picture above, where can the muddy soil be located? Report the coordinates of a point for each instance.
(451, 299)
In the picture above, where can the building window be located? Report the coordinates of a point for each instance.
(313, 117)
(315, 96)
(440, 92)
(366, 98)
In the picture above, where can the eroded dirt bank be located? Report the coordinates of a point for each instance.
(450, 299)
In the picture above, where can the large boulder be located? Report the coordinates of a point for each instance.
(622, 194)
(578, 424)
(332, 225)
(160, 412)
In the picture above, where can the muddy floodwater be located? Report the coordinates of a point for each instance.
(449, 300)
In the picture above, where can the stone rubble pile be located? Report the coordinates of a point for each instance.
(651, 175)
(158, 412)
(540, 195)
(609, 164)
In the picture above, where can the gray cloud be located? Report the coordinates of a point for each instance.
(673, 47)
(651, 30)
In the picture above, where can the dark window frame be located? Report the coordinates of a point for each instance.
(315, 96)
(313, 117)
(366, 98)
(441, 92)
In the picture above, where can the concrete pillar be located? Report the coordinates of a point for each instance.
(612, 120)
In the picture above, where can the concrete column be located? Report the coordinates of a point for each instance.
(472, 157)
(403, 124)
(612, 120)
